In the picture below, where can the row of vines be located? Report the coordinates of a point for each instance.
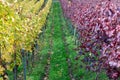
(98, 29)
(21, 22)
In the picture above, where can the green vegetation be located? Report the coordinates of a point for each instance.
(56, 46)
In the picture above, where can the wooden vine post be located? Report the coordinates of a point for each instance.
(24, 63)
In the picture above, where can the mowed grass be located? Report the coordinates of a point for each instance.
(58, 66)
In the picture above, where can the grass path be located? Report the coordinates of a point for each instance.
(58, 66)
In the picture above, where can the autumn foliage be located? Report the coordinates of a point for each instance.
(99, 31)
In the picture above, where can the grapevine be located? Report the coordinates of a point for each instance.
(99, 30)
(19, 31)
